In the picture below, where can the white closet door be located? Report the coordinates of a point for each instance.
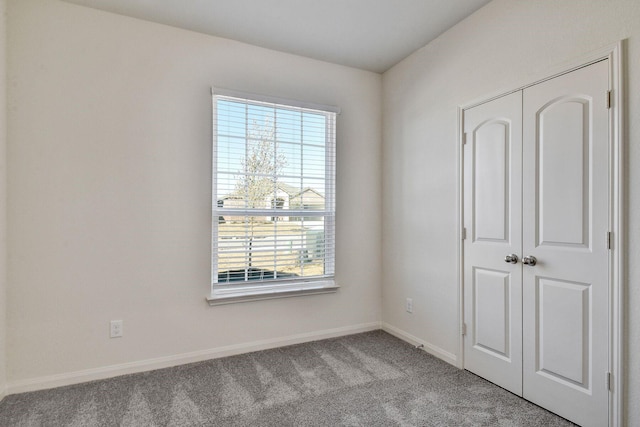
(565, 225)
(492, 216)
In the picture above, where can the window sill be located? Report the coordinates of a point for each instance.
(232, 296)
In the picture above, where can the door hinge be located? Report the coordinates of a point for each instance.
(609, 381)
(464, 329)
(608, 99)
(608, 240)
(464, 233)
(464, 138)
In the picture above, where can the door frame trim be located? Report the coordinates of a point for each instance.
(617, 209)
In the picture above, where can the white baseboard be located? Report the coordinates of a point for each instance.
(429, 348)
(77, 377)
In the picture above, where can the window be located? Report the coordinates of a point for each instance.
(273, 210)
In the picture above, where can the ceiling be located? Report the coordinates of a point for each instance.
(372, 35)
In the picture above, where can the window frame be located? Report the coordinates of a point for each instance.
(275, 288)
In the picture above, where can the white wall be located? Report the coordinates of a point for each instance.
(3, 198)
(109, 190)
(495, 49)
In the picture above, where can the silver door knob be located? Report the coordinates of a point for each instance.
(529, 260)
(511, 259)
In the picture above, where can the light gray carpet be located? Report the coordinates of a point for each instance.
(370, 379)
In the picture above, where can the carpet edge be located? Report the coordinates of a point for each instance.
(77, 377)
(432, 349)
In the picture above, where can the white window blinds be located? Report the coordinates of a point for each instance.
(273, 213)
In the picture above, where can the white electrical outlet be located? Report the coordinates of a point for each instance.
(409, 305)
(116, 328)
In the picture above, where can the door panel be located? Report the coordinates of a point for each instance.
(491, 309)
(565, 224)
(563, 153)
(493, 203)
(491, 163)
(562, 313)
